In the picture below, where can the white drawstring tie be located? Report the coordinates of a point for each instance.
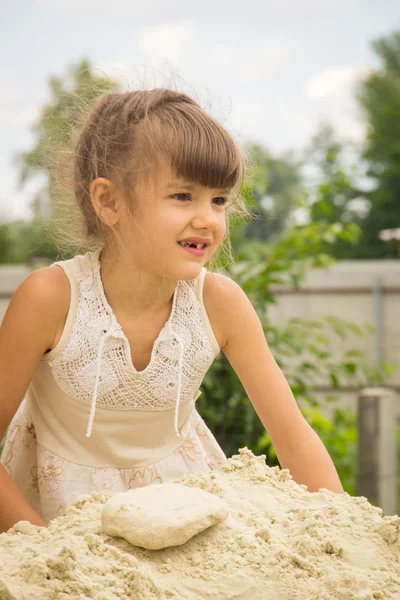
(113, 330)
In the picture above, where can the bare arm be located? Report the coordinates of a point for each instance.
(29, 328)
(13, 506)
(297, 446)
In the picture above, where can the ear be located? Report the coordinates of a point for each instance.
(105, 200)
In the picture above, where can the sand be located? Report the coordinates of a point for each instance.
(279, 543)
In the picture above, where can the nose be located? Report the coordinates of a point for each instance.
(205, 218)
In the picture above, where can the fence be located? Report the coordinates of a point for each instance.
(377, 473)
(360, 292)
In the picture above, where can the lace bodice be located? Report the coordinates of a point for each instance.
(95, 364)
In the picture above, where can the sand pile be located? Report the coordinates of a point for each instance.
(278, 543)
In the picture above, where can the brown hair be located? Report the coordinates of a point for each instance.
(126, 133)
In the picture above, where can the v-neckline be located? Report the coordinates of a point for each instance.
(110, 312)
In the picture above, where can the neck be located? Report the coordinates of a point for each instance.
(131, 291)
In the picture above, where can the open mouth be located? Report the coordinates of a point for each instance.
(192, 245)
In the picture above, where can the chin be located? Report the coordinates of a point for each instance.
(176, 272)
(192, 270)
(189, 271)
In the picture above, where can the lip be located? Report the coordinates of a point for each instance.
(197, 240)
(194, 251)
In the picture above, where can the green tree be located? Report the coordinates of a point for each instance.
(335, 197)
(379, 97)
(276, 185)
(60, 118)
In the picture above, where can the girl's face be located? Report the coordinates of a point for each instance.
(169, 210)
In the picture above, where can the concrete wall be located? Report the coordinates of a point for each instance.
(10, 278)
(361, 292)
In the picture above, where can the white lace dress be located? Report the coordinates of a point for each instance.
(91, 422)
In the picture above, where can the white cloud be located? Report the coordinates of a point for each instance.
(161, 51)
(278, 126)
(135, 76)
(248, 115)
(118, 70)
(304, 8)
(298, 124)
(333, 80)
(9, 94)
(16, 204)
(14, 110)
(176, 56)
(167, 42)
(332, 92)
(224, 11)
(249, 64)
(350, 126)
(22, 118)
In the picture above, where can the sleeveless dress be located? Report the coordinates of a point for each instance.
(91, 422)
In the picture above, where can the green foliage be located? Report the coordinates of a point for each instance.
(336, 198)
(340, 436)
(259, 266)
(379, 97)
(71, 99)
(273, 190)
(301, 348)
(20, 241)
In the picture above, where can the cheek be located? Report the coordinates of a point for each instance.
(168, 224)
(152, 224)
(159, 231)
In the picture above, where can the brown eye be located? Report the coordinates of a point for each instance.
(222, 202)
(183, 196)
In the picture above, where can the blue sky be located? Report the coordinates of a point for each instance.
(269, 70)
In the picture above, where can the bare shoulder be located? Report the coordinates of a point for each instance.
(50, 284)
(58, 293)
(28, 330)
(45, 293)
(224, 301)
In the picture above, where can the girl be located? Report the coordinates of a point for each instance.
(112, 345)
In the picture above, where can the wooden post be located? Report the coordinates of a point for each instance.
(377, 448)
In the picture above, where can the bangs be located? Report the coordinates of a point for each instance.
(198, 148)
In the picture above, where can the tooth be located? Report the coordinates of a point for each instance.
(198, 246)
